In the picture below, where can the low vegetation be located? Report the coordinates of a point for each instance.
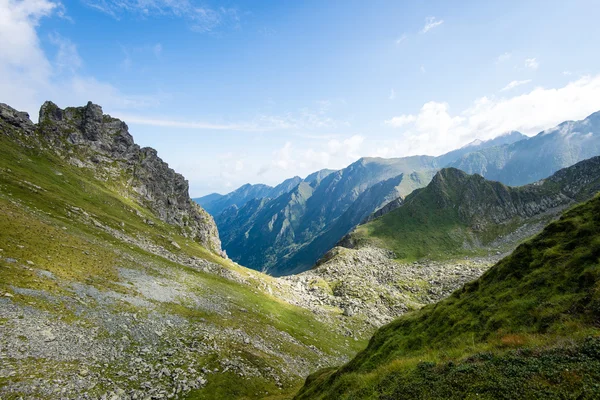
(102, 296)
(527, 328)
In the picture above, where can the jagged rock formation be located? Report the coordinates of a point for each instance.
(87, 137)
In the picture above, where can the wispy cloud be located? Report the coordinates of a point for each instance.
(401, 39)
(392, 95)
(307, 118)
(336, 153)
(200, 18)
(67, 56)
(532, 63)
(514, 84)
(503, 57)
(430, 23)
(398, 122)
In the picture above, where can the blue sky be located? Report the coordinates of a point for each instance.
(245, 91)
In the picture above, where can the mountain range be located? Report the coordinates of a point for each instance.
(459, 214)
(114, 284)
(439, 238)
(288, 234)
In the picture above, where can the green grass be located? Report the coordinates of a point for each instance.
(39, 222)
(431, 232)
(456, 215)
(547, 292)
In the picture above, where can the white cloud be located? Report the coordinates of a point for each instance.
(335, 154)
(304, 119)
(67, 57)
(401, 39)
(430, 23)
(28, 77)
(503, 57)
(532, 63)
(23, 65)
(398, 122)
(567, 73)
(200, 18)
(422, 69)
(392, 95)
(435, 129)
(261, 124)
(515, 84)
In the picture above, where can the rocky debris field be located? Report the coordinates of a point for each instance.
(134, 343)
(368, 283)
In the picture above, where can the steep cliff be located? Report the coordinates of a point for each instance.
(88, 138)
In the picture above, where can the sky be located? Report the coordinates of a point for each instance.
(235, 92)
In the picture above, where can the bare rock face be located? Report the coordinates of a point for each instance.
(87, 137)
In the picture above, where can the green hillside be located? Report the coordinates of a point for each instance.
(98, 295)
(464, 215)
(528, 328)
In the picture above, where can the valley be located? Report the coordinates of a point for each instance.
(114, 284)
(289, 233)
(315, 200)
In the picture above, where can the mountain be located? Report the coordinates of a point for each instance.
(534, 158)
(528, 328)
(209, 198)
(289, 234)
(478, 145)
(439, 238)
(216, 203)
(316, 177)
(113, 283)
(261, 234)
(459, 214)
(372, 199)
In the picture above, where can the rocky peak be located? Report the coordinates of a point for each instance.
(88, 138)
(87, 126)
(16, 118)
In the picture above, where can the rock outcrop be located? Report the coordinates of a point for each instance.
(88, 138)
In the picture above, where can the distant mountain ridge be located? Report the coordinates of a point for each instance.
(537, 157)
(290, 234)
(458, 214)
(216, 203)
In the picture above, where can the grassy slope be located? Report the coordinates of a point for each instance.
(38, 193)
(428, 225)
(544, 299)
